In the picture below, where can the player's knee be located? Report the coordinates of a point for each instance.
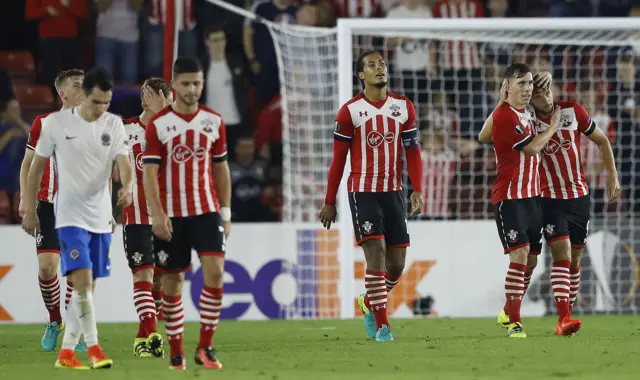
(561, 250)
(374, 252)
(576, 255)
(172, 283)
(519, 256)
(532, 262)
(395, 260)
(144, 275)
(82, 280)
(395, 269)
(157, 280)
(48, 265)
(213, 271)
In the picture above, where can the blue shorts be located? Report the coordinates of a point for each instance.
(81, 249)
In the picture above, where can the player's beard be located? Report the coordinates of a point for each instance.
(382, 84)
(190, 100)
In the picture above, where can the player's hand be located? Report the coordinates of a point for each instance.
(542, 79)
(503, 92)
(227, 228)
(162, 227)
(154, 100)
(555, 117)
(30, 223)
(327, 215)
(613, 187)
(51, 11)
(124, 197)
(255, 67)
(416, 203)
(21, 208)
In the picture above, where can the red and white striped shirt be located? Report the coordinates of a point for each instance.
(513, 129)
(458, 55)
(437, 179)
(137, 212)
(561, 174)
(158, 14)
(48, 186)
(359, 8)
(374, 130)
(185, 146)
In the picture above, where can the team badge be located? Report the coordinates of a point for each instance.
(137, 258)
(74, 254)
(519, 129)
(550, 229)
(513, 236)
(163, 257)
(395, 110)
(105, 139)
(565, 121)
(39, 240)
(367, 227)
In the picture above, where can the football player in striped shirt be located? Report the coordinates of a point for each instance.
(136, 222)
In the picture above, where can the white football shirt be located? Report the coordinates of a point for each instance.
(84, 153)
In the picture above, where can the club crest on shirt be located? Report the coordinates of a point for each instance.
(207, 123)
(105, 138)
(565, 121)
(519, 129)
(367, 227)
(395, 110)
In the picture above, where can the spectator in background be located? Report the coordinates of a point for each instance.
(153, 33)
(12, 141)
(570, 8)
(248, 175)
(259, 46)
(58, 29)
(268, 136)
(415, 60)
(226, 85)
(117, 37)
(10, 110)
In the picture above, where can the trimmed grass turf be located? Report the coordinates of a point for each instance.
(607, 347)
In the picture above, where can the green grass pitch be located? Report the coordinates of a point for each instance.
(608, 348)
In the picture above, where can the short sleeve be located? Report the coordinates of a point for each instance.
(119, 146)
(508, 130)
(585, 124)
(34, 133)
(46, 144)
(343, 129)
(153, 152)
(219, 148)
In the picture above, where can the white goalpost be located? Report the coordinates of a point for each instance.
(454, 265)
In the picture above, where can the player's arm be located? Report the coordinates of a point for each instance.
(589, 128)
(44, 150)
(32, 142)
(151, 161)
(126, 178)
(538, 143)
(222, 176)
(411, 144)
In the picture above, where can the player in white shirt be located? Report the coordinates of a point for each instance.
(85, 141)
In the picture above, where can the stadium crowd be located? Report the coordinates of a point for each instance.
(454, 86)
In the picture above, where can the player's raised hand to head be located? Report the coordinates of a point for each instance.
(613, 188)
(503, 92)
(30, 223)
(124, 197)
(327, 215)
(154, 100)
(542, 79)
(162, 227)
(416, 203)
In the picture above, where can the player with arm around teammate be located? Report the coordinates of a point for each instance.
(516, 190)
(565, 197)
(375, 126)
(85, 140)
(136, 225)
(188, 186)
(68, 85)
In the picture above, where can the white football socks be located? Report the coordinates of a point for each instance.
(83, 302)
(72, 330)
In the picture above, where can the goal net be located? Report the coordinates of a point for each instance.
(452, 69)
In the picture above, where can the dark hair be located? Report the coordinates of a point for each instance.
(213, 28)
(157, 85)
(516, 70)
(184, 65)
(67, 74)
(97, 77)
(359, 64)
